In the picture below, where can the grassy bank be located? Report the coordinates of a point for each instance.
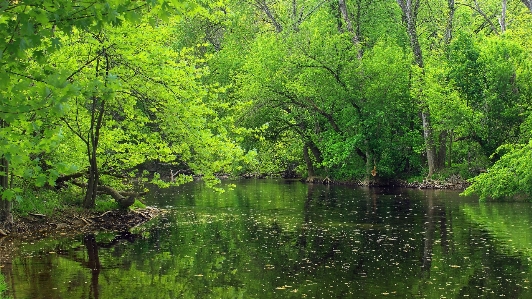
(3, 287)
(50, 201)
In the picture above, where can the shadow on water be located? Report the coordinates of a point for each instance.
(272, 239)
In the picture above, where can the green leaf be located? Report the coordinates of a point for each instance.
(41, 180)
(8, 194)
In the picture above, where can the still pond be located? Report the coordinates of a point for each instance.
(286, 239)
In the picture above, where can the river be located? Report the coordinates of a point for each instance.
(286, 239)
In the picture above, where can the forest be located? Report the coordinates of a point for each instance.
(106, 98)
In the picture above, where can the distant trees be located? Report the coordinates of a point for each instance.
(340, 79)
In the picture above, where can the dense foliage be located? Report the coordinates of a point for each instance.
(104, 96)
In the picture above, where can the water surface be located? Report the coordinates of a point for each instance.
(285, 239)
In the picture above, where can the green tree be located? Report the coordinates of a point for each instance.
(81, 79)
(32, 88)
(508, 177)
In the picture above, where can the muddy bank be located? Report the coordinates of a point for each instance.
(451, 183)
(432, 184)
(68, 223)
(75, 222)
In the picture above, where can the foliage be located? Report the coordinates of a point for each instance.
(46, 201)
(3, 287)
(341, 89)
(107, 90)
(268, 239)
(509, 176)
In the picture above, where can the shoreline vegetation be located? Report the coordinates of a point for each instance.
(68, 220)
(330, 92)
(100, 99)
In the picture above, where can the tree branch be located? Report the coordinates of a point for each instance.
(477, 9)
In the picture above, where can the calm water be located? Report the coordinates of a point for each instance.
(278, 239)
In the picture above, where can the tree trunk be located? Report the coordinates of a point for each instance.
(356, 37)
(315, 152)
(409, 9)
(92, 184)
(528, 4)
(308, 161)
(502, 18)
(450, 156)
(371, 168)
(97, 113)
(429, 141)
(349, 25)
(92, 146)
(449, 28)
(442, 150)
(6, 205)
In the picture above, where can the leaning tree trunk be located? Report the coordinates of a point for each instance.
(528, 4)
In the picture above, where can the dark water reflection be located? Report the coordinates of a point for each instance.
(277, 239)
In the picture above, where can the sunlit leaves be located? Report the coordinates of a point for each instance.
(509, 176)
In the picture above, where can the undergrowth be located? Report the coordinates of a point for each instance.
(49, 201)
(3, 287)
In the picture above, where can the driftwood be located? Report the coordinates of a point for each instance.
(100, 216)
(37, 215)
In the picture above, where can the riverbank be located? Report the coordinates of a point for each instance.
(76, 221)
(450, 183)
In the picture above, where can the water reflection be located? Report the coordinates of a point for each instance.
(270, 239)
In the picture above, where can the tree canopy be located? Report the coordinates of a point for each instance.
(109, 95)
